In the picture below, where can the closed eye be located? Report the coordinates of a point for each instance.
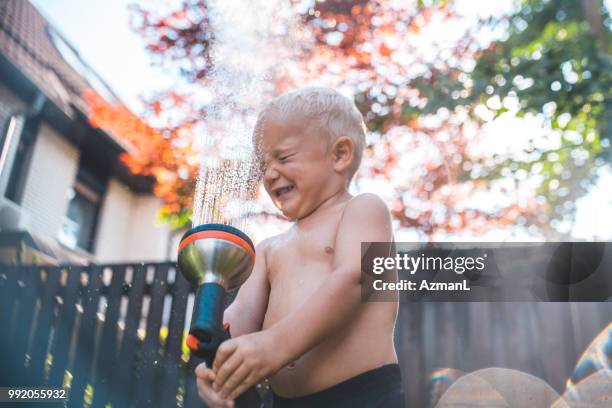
(285, 157)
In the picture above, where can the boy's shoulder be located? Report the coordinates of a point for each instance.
(267, 243)
(365, 205)
(366, 218)
(368, 199)
(264, 246)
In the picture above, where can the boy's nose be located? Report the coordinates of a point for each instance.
(271, 173)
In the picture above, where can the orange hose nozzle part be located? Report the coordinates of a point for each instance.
(192, 342)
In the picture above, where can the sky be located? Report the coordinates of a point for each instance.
(100, 31)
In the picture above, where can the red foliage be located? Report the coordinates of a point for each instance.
(162, 154)
(368, 45)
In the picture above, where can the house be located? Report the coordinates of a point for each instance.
(65, 196)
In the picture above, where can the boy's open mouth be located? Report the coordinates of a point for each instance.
(282, 190)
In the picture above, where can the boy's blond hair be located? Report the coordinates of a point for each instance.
(326, 109)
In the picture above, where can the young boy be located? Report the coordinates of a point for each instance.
(299, 319)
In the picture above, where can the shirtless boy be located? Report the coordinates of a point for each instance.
(299, 319)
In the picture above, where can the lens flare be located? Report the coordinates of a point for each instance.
(499, 387)
(593, 372)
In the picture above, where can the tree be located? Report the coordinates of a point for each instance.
(164, 154)
(424, 101)
(379, 50)
(555, 61)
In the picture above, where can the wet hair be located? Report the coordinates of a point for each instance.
(323, 109)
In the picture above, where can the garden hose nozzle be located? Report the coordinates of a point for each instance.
(215, 258)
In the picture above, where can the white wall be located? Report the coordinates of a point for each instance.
(127, 230)
(52, 171)
(113, 223)
(149, 239)
(127, 227)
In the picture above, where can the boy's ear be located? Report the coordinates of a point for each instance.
(343, 151)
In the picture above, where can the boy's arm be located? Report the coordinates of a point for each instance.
(243, 362)
(246, 313)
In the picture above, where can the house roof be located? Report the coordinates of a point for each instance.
(40, 53)
(26, 40)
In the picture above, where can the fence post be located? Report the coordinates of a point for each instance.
(20, 333)
(123, 380)
(107, 351)
(9, 291)
(176, 326)
(40, 339)
(65, 327)
(85, 348)
(411, 351)
(150, 362)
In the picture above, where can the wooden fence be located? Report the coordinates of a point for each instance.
(113, 334)
(542, 339)
(85, 328)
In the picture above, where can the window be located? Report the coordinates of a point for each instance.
(79, 224)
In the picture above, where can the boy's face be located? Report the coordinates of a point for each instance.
(297, 167)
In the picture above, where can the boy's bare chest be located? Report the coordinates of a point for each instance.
(308, 249)
(298, 263)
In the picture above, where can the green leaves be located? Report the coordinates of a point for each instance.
(551, 61)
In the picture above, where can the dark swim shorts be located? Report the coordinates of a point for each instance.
(378, 388)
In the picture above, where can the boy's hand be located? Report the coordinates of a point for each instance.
(204, 380)
(244, 361)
